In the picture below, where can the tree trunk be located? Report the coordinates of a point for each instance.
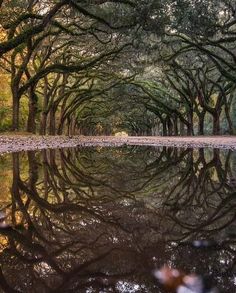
(230, 123)
(61, 120)
(52, 123)
(43, 123)
(33, 107)
(68, 126)
(216, 123)
(164, 127)
(44, 113)
(190, 131)
(170, 127)
(181, 128)
(176, 130)
(201, 118)
(15, 112)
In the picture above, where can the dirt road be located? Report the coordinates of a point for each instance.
(11, 143)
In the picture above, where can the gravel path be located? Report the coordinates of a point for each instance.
(10, 143)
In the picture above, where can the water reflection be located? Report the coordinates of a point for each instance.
(101, 220)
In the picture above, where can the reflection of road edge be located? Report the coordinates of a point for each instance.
(9, 144)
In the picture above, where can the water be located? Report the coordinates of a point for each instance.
(103, 219)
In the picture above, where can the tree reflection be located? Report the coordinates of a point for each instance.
(102, 219)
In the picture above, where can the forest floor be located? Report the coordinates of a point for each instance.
(15, 143)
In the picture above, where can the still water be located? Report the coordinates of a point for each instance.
(103, 219)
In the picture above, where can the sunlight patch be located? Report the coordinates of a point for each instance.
(122, 133)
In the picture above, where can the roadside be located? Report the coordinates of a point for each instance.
(12, 143)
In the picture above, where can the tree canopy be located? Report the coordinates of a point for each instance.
(98, 66)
